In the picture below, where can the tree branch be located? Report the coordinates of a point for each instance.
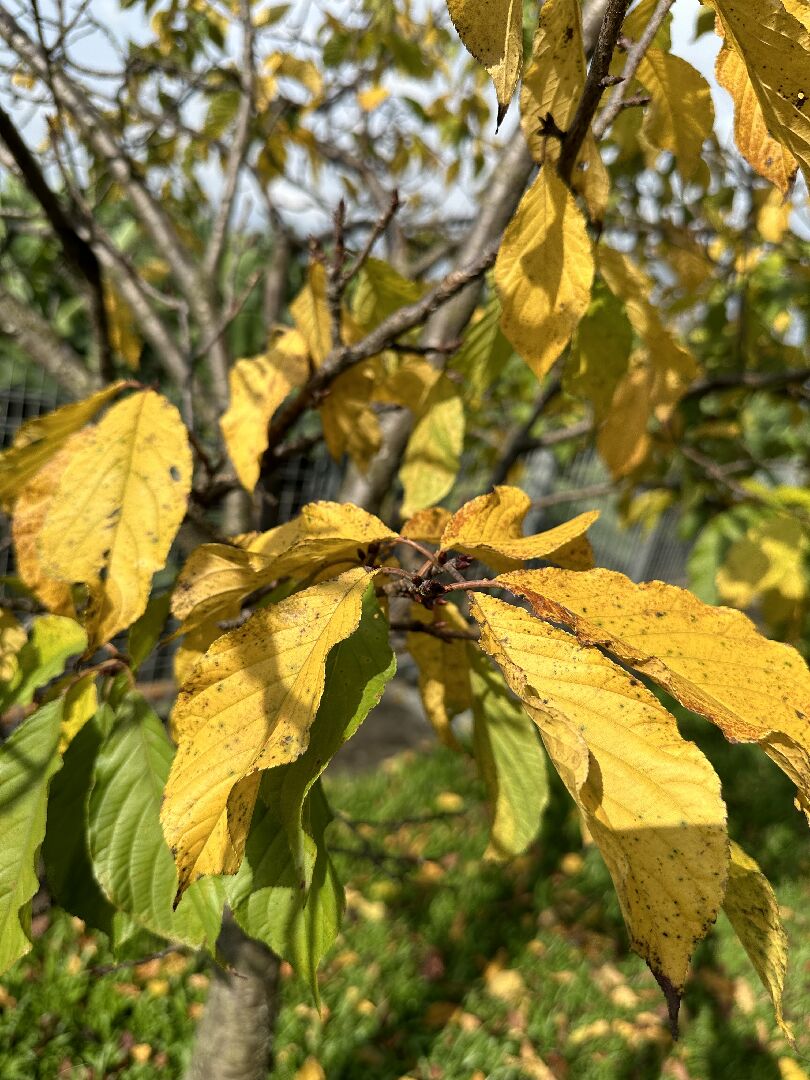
(78, 253)
(594, 88)
(148, 209)
(635, 55)
(239, 147)
(35, 337)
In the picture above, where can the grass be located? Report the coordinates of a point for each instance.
(449, 968)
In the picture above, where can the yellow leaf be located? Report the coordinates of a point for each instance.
(544, 272)
(493, 34)
(799, 9)
(712, 660)
(774, 45)
(371, 98)
(350, 425)
(12, 639)
(426, 525)
(326, 535)
(791, 1070)
(257, 387)
(762, 152)
(255, 694)
(193, 647)
(753, 911)
(214, 581)
(773, 217)
(653, 808)
(311, 1070)
(30, 511)
(554, 77)
(38, 440)
(444, 670)
(490, 528)
(680, 116)
(79, 704)
(656, 378)
(124, 337)
(310, 312)
(117, 508)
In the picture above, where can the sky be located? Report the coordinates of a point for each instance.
(700, 53)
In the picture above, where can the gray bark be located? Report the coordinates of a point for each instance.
(235, 1033)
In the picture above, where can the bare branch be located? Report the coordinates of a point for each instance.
(35, 337)
(239, 147)
(598, 72)
(147, 207)
(635, 55)
(78, 253)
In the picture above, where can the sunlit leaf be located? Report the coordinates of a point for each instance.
(493, 33)
(490, 527)
(51, 642)
(654, 808)
(117, 508)
(712, 660)
(443, 666)
(255, 694)
(544, 272)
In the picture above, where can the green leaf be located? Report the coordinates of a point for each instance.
(266, 897)
(28, 760)
(65, 850)
(53, 639)
(511, 761)
(145, 632)
(131, 859)
(483, 354)
(357, 671)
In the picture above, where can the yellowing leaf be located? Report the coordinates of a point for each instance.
(680, 116)
(753, 911)
(258, 386)
(372, 98)
(764, 154)
(544, 272)
(493, 33)
(650, 799)
(30, 511)
(600, 355)
(712, 660)
(554, 77)
(350, 425)
(117, 508)
(552, 86)
(771, 556)
(325, 536)
(254, 694)
(193, 647)
(433, 454)
(490, 528)
(773, 217)
(12, 639)
(656, 378)
(443, 666)
(380, 291)
(38, 440)
(124, 337)
(310, 312)
(774, 45)
(426, 525)
(78, 705)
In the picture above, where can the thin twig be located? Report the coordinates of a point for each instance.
(635, 54)
(594, 87)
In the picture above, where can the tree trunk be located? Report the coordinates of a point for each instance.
(234, 1038)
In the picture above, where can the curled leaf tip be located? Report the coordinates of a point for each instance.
(503, 109)
(673, 999)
